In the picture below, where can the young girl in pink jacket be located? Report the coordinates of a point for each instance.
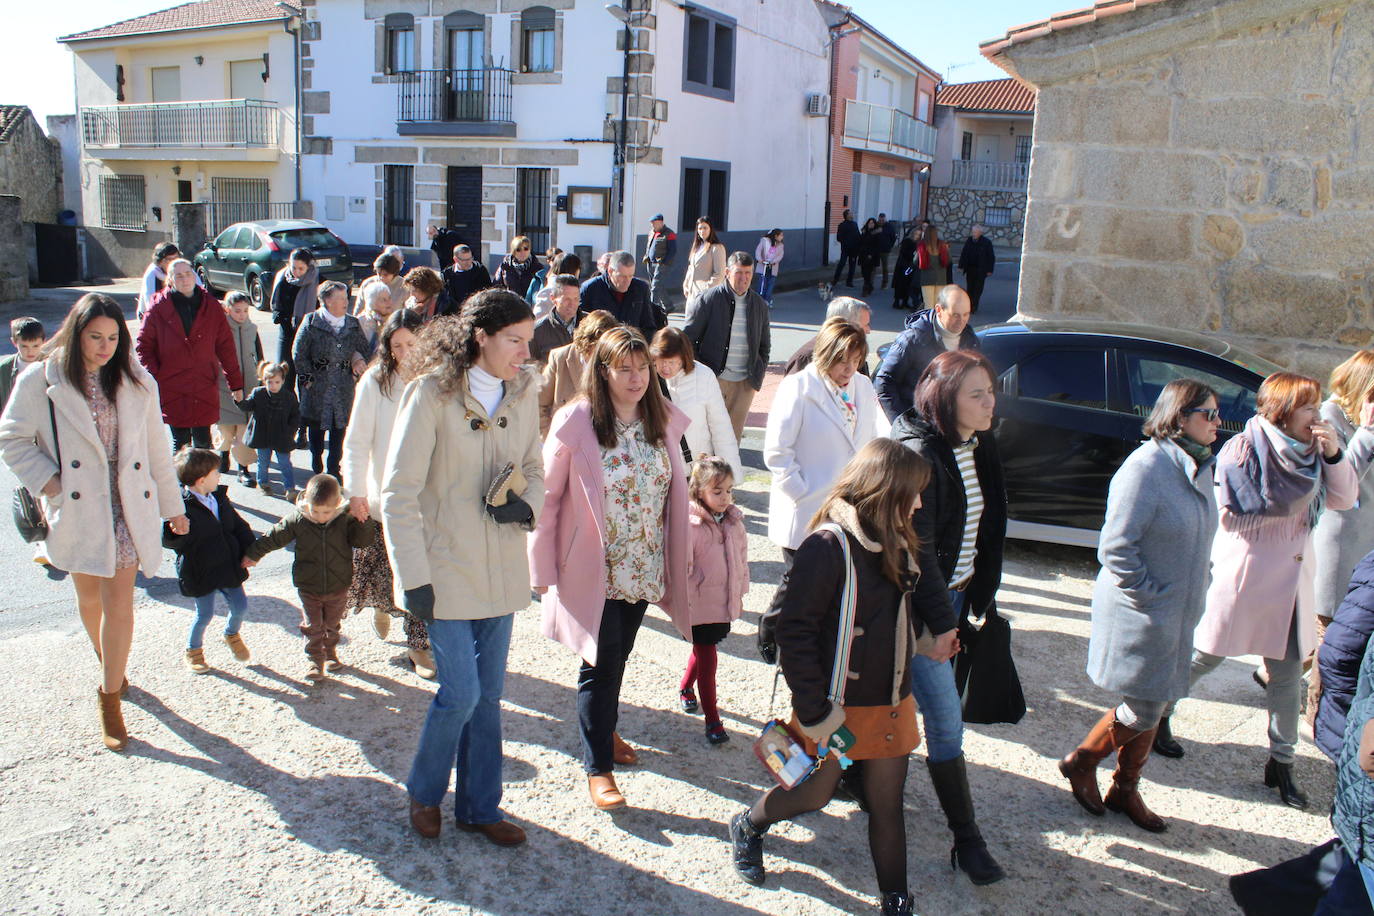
(717, 578)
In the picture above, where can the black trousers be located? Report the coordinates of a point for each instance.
(598, 686)
(847, 256)
(336, 438)
(182, 436)
(975, 283)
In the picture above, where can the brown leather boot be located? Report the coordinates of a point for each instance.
(1080, 767)
(1123, 796)
(112, 720)
(605, 793)
(622, 753)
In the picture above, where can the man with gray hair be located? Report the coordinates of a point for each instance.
(617, 290)
(855, 311)
(928, 333)
(729, 330)
(976, 260)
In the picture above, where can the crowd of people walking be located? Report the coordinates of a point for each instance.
(478, 438)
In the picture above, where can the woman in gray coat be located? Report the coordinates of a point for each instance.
(1151, 592)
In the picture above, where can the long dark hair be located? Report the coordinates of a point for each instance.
(710, 236)
(882, 482)
(613, 346)
(385, 360)
(448, 347)
(68, 340)
(937, 393)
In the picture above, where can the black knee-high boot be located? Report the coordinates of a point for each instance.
(970, 853)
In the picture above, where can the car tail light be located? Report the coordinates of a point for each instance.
(272, 244)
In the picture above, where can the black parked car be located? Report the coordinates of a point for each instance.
(246, 256)
(1072, 397)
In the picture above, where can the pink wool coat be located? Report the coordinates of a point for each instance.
(1256, 579)
(717, 571)
(567, 550)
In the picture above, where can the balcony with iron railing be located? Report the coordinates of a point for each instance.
(454, 103)
(989, 176)
(887, 130)
(237, 128)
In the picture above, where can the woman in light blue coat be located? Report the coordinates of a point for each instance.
(1155, 551)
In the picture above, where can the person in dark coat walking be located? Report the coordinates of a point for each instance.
(711, 325)
(1338, 658)
(847, 237)
(1353, 813)
(870, 252)
(186, 345)
(556, 328)
(617, 290)
(962, 517)
(442, 241)
(294, 291)
(463, 277)
(331, 351)
(904, 273)
(928, 334)
(659, 252)
(888, 232)
(274, 419)
(518, 268)
(976, 261)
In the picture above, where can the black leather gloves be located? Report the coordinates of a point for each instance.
(515, 511)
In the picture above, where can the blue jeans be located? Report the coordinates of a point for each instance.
(463, 727)
(1350, 892)
(205, 610)
(942, 715)
(288, 473)
(766, 281)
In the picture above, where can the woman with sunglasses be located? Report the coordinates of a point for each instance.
(1151, 591)
(518, 268)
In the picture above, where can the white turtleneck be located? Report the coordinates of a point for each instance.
(335, 321)
(486, 388)
(951, 341)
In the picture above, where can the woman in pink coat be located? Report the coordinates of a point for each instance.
(1274, 480)
(612, 537)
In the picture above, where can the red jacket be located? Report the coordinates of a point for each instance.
(923, 256)
(187, 368)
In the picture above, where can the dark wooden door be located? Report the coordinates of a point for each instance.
(465, 205)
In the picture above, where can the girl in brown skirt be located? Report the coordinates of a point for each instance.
(853, 600)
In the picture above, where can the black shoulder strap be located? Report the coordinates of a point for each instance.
(56, 443)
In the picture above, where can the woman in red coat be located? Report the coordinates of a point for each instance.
(185, 343)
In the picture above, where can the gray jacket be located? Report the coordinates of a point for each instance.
(1342, 538)
(1155, 552)
(249, 349)
(709, 317)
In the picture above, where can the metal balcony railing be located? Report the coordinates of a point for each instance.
(990, 176)
(881, 127)
(223, 124)
(454, 95)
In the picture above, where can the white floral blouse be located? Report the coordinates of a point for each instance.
(636, 476)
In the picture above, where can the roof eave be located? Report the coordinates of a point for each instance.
(79, 37)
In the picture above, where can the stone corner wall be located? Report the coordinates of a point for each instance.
(1225, 186)
(955, 210)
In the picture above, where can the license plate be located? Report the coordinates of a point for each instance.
(324, 262)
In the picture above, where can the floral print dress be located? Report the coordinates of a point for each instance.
(636, 475)
(107, 427)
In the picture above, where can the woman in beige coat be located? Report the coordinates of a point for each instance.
(84, 429)
(458, 560)
(705, 262)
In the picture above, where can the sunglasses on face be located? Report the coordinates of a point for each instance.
(1210, 414)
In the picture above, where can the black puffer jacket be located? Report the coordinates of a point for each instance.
(940, 520)
(210, 555)
(273, 419)
(324, 553)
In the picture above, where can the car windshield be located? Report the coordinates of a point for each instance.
(305, 238)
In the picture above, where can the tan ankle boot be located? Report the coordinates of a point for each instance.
(112, 720)
(195, 660)
(423, 660)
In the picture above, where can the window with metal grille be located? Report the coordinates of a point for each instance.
(966, 147)
(241, 200)
(123, 202)
(1023, 148)
(996, 217)
(708, 54)
(705, 192)
(400, 42)
(398, 205)
(532, 205)
(537, 39)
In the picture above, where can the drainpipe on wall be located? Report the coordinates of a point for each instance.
(296, 17)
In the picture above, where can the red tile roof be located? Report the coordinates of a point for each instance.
(1061, 21)
(987, 95)
(201, 14)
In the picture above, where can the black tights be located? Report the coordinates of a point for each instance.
(884, 784)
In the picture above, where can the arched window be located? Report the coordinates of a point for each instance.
(537, 40)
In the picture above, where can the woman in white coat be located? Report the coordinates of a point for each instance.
(820, 418)
(694, 390)
(375, 405)
(84, 429)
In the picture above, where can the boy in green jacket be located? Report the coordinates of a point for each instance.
(325, 536)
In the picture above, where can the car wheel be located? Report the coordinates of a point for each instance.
(204, 279)
(257, 291)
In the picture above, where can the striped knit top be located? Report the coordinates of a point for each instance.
(973, 494)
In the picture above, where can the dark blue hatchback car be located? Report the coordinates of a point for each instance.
(246, 256)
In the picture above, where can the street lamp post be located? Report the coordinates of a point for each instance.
(621, 14)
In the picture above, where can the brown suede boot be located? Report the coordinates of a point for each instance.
(112, 720)
(1123, 796)
(1080, 767)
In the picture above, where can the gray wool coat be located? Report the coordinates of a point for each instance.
(249, 349)
(1155, 552)
(1343, 537)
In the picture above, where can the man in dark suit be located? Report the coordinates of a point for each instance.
(847, 235)
(976, 260)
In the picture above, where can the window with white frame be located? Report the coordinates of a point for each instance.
(123, 202)
(923, 106)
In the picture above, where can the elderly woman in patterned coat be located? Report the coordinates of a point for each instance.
(329, 354)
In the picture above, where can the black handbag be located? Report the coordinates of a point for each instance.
(28, 512)
(985, 674)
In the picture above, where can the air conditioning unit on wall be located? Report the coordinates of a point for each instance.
(818, 104)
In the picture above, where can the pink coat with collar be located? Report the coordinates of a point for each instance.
(718, 571)
(567, 550)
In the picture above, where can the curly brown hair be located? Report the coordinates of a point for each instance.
(424, 280)
(448, 345)
(589, 329)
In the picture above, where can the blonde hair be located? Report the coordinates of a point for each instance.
(840, 339)
(706, 471)
(1352, 384)
(519, 241)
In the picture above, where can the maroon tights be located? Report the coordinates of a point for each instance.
(701, 673)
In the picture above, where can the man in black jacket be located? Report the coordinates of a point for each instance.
(888, 232)
(464, 277)
(729, 330)
(976, 260)
(624, 295)
(847, 235)
(556, 328)
(442, 241)
(659, 252)
(929, 333)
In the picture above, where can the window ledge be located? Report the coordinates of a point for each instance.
(519, 79)
(725, 95)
